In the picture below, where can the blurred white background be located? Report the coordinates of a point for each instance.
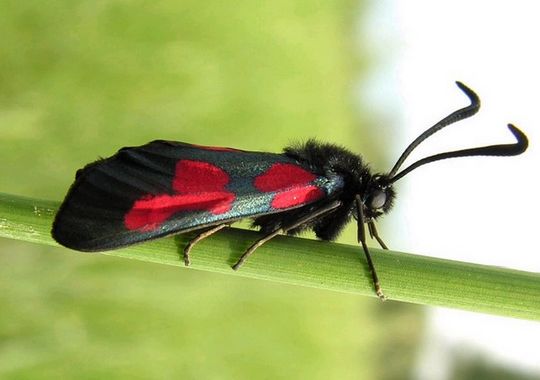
(481, 209)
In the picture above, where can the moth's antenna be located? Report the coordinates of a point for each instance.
(490, 150)
(454, 117)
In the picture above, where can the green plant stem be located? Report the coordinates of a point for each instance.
(333, 266)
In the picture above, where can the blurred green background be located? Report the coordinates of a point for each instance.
(80, 79)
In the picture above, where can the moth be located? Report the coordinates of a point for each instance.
(166, 187)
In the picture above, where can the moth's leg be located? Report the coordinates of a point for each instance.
(362, 239)
(297, 223)
(198, 238)
(375, 234)
(254, 246)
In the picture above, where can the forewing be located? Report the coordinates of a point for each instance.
(163, 187)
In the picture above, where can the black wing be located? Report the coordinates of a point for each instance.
(163, 187)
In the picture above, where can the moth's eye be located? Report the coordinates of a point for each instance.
(378, 199)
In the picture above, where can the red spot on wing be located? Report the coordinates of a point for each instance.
(200, 187)
(292, 184)
(147, 214)
(298, 196)
(283, 176)
(198, 177)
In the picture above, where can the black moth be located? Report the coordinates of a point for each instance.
(165, 187)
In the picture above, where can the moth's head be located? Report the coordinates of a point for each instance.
(378, 196)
